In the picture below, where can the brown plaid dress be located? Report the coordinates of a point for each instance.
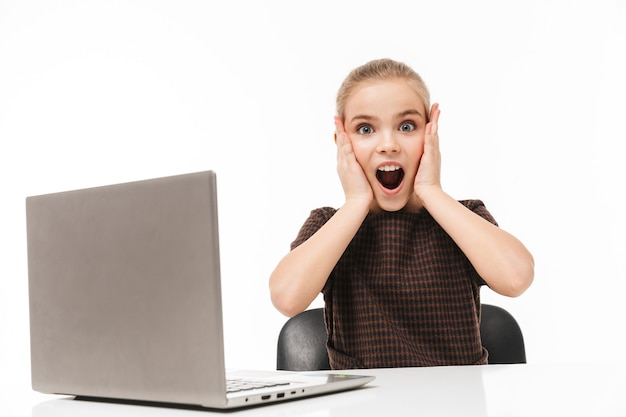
(402, 294)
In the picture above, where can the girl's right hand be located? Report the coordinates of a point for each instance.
(353, 180)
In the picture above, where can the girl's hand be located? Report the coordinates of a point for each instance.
(353, 179)
(429, 169)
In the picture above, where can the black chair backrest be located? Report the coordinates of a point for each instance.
(302, 340)
(501, 336)
(302, 343)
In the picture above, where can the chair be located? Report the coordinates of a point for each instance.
(501, 336)
(302, 343)
(302, 340)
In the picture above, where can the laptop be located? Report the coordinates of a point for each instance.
(125, 299)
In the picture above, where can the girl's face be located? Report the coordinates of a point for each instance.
(386, 121)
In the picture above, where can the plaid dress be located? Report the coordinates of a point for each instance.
(402, 294)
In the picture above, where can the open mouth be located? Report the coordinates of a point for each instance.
(390, 176)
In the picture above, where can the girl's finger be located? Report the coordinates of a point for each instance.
(340, 134)
(339, 125)
(433, 124)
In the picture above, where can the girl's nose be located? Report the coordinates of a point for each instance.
(387, 143)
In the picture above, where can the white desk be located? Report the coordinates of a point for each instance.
(491, 390)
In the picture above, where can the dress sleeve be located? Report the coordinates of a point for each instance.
(478, 207)
(316, 220)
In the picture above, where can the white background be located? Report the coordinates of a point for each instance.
(532, 97)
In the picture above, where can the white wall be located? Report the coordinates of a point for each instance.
(532, 97)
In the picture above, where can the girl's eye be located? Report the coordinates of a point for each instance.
(365, 130)
(407, 127)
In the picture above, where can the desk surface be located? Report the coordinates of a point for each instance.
(490, 390)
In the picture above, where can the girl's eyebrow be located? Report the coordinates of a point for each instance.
(367, 118)
(363, 117)
(410, 112)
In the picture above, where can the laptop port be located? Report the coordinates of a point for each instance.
(266, 397)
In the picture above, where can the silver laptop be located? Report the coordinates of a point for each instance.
(125, 299)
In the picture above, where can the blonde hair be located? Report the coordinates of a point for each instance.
(378, 70)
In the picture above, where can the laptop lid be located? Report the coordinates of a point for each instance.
(125, 298)
(124, 291)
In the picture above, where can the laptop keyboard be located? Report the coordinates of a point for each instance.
(239, 384)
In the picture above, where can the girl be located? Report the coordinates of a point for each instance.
(401, 263)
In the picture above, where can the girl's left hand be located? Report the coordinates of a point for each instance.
(429, 168)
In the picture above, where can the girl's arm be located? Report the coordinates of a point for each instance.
(302, 273)
(499, 258)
